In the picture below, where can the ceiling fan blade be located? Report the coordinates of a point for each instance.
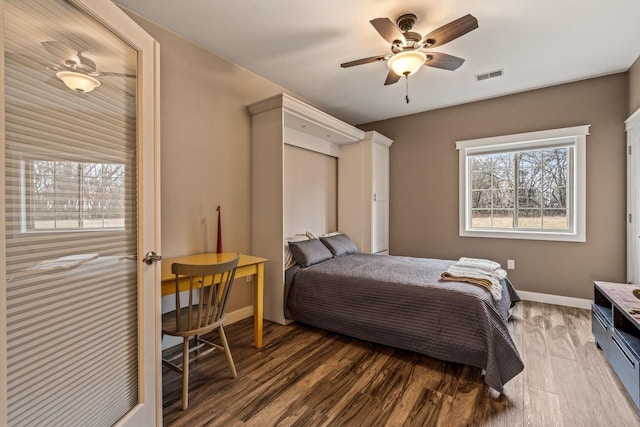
(450, 31)
(60, 49)
(28, 61)
(108, 73)
(391, 78)
(87, 64)
(388, 30)
(365, 60)
(444, 61)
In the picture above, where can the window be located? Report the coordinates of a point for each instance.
(524, 186)
(68, 195)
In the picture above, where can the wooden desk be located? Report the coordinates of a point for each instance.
(247, 266)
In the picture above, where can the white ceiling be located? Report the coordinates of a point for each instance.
(300, 45)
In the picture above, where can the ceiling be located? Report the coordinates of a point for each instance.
(300, 45)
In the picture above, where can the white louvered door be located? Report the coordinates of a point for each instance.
(79, 307)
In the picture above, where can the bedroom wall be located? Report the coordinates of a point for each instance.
(634, 86)
(205, 150)
(310, 191)
(424, 183)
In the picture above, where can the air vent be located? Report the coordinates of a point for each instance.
(489, 75)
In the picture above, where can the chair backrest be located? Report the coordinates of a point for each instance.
(213, 284)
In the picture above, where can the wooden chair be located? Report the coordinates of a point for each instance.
(210, 286)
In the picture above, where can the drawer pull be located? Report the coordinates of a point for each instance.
(629, 359)
(600, 320)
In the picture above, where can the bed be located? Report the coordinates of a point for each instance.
(400, 302)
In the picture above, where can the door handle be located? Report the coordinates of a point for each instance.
(151, 257)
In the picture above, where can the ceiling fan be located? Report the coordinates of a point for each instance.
(75, 70)
(408, 48)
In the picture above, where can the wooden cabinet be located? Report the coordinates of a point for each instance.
(616, 329)
(363, 192)
(632, 127)
(275, 122)
(363, 184)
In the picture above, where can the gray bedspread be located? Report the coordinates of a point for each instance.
(400, 302)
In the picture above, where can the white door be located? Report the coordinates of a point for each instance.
(633, 198)
(380, 211)
(79, 341)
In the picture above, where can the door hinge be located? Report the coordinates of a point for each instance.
(629, 150)
(629, 218)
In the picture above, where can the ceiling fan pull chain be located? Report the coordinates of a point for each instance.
(406, 85)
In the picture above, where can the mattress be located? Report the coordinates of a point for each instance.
(400, 302)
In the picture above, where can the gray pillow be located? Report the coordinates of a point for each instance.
(309, 252)
(340, 245)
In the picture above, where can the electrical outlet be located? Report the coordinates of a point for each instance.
(511, 264)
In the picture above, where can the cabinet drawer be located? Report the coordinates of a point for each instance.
(601, 330)
(625, 363)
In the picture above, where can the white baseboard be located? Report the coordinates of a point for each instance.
(240, 314)
(233, 317)
(555, 299)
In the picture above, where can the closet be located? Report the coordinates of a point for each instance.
(363, 193)
(632, 127)
(283, 120)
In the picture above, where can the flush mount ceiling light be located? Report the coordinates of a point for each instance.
(77, 81)
(408, 47)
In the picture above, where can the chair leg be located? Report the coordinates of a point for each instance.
(227, 351)
(185, 373)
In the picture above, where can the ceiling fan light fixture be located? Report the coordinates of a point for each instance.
(406, 63)
(78, 81)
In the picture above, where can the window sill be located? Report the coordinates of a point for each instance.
(526, 235)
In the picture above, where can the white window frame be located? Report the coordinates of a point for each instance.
(574, 137)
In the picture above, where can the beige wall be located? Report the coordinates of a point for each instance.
(205, 149)
(424, 183)
(634, 86)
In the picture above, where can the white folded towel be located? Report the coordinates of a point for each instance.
(483, 272)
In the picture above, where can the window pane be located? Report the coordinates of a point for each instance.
(481, 218)
(529, 218)
(503, 199)
(481, 180)
(481, 199)
(493, 190)
(502, 161)
(530, 159)
(529, 198)
(481, 163)
(502, 218)
(503, 178)
(540, 177)
(555, 197)
(555, 219)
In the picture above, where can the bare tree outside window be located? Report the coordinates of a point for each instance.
(66, 195)
(520, 190)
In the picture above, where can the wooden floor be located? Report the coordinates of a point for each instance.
(307, 377)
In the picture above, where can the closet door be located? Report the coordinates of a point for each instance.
(380, 203)
(633, 197)
(79, 305)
